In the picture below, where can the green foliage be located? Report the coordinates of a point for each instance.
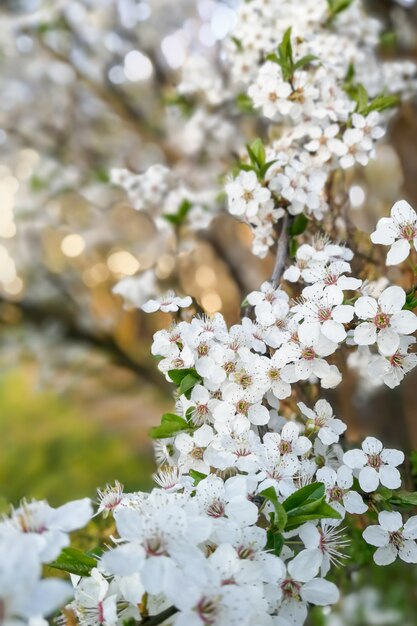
(307, 504)
(299, 225)
(364, 105)
(75, 562)
(52, 449)
(338, 6)
(185, 379)
(171, 424)
(257, 157)
(284, 58)
(196, 476)
(411, 301)
(244, 103)
(178, 218)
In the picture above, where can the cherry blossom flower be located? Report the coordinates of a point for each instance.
(393, 538)
(339, 492)
(323, 421)
(385, 320)
(398, 231)
(376, 464)
(168, 303)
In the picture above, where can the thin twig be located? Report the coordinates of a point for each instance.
(160, 618)
(282, 252)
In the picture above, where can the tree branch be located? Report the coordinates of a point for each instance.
(160, 618)
(282, 252)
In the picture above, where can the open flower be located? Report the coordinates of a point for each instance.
(398, 231)
(393, 538)
(328, 427)
(168, 303)
(385, 320)
(376, 464)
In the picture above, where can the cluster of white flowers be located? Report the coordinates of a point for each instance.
(243, 470)
(32, 535)
(323, 86)
(255, 489)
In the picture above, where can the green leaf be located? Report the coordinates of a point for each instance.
(266, 167)
(405, 498)
(293, 246)
(256, 152)
(244, 103)
(274, 542)
(382, 102)
(196, 476)
(299, 225)
(305, 495)
(322, 511)
(237, 43)
(74, 562)
(179, 218)
(308, 58)
(177, 375)
(338, 6)
(188, 383)
(171, 424)
(350, 74)
(280, 516)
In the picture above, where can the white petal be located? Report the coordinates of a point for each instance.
(355, 459)
(365, 334)
(390, 477)
(320, 592)
(366, 307)
(392, 299)
(410, 528)
(403, 212)
(398, 252)
(388, 341)
(386, 555)
(408, 551)
(368, 479)
(354, 503)
(392, 457)
(390, 520)
(343, 313)
(376, 536)
(372, 445)
(404, 322)
(333, 331)
(305, 565)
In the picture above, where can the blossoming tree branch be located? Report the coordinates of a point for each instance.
(257, 501)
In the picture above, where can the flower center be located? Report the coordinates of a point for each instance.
(396, 538)
(408, 231)
(245, 552)
(382, 320)
(274, 374)
(243, 379)
(242, 407)
(291, 589)
(229, 367)
(330, 279)
(308, 354)
(207, 611)
(336, 494)
(197, 453)
(285, 447)
(396, 360)
(203, 349)
(216, 509)
(374, 460)
(155, 547)
(324, 314)
(247, 195)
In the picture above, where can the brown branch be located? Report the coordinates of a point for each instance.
(160, 618)
(41, 317)
(282, 252)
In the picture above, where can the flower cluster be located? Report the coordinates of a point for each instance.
(32, 535)
(323, 86)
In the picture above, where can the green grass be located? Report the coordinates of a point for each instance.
(50, 449)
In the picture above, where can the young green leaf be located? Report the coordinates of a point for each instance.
(74, 562)
(280, 515)
(171, 424)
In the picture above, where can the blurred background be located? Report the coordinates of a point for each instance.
(89, 85)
